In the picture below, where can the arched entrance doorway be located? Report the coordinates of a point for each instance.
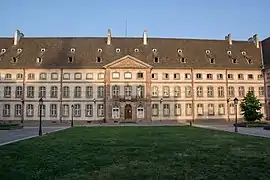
(128, 111)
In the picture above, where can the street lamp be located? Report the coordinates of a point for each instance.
(22, 111)
(72, 115)
(40, 116)
(160, 101)
(235, 106)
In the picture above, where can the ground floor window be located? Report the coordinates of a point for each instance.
(88, 110)
(177, 109)
(30, 110)
(42, 110)
(188, 109)
(155, 109)
(166, 109)
(18, 110)
(221, 109)
(100, 110)
(211, 109)
(115, 112)
(140, 112)
(65, 110)
(200, 109)
(77, 110)
(53, 110)
(231, 109)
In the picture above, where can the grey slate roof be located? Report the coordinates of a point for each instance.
(58, 51)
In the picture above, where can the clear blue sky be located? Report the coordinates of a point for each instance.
(210, 19)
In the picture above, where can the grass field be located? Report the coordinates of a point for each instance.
(140, 153)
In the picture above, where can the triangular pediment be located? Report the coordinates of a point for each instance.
(128, 62)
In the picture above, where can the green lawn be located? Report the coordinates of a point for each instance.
(140, 153)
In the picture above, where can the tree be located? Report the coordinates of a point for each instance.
(250, 107)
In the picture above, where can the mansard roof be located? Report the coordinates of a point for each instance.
(94, 52)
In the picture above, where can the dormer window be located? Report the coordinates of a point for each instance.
(98, 59)
(182, 60)
(19, 50)
(42, 50)
(156, 60)
(249, 61)
(117, 50)
(154, 50)
(136, 50)
(243, 53)
(39, 60)
(234, 61)
(13, 59)
(207, 51)
(3, 50)
(229, 52)
(99, 50)
(179, 51)
(70, 59)
(212, 61)
(72, 50)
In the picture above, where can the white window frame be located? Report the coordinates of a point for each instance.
(42, 91)
(199, 91)
(54, 92)
(177, 109)
(220, 91)
(188, 91)
(29, 110)
(88, 91)
(116, 75)
(66, 92)
(115, 91)
(53, 110)
(200, 110)
(155, 109)
(77, 92)
(7, 91)
(6, 110)
(43, 110)
(155, 91)
(166, 91)
(89, 110)
(128, 75)
(77, 110)
(221, 109)
(19, 91)
(128, 91)
(211, 109)
(100, 91)
(89, 76)
(18, 110)
(30, 91)
(65, 110)
(231, 109)
(140, 112)
(115, 112)
(166, 109)
(177, 91)
(100, 110)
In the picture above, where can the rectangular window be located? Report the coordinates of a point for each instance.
(78, 76)
(209, 76)
(188, 109)
(30, 91)
(199, 91)
(241, 91)
(100, 92)
(54, 92)
(77, 110)
(155, 91)
(89, 76)
(88, 110)
(140, 75)
(231, 110)
(89, 92)
(187, 76)
(100, 75)
(53, 110)
(188, 91)
(18, 110)
(140, 91)
(231, 91)
(77, 92)
(211, 109)
(230, 76)
(200, 109)
(219, 76)
(251, 89)
(65, 92)
(42, 76)
(155, 109)
(240, 77)
(42, 92)
(19, 76)
(8, 76)
(198, 76)
(166, 109)
(260, 77)
(7, 92)
(220, 91)
(19, 90)
(176, 76)
(115, 75)
(66, 76)
(115, 91)
(250, 76)
(31, 76)
(166, 91)
(154, 76)
(6, 110)
(29, 110)
(177, 109)
(221, 109)
(165, 76)
(65, 110)
(177, 91)
(261, 91)
(100, 110)
(42, 110)
(128, 91)
(128, 75)
(210, 91)
(54, 76)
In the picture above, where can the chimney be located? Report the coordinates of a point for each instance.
(256, 40)
(229, 38)
(17, 36)
(144, 37)
(109, 37)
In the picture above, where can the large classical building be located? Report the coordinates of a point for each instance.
(266, 59)
(127, 79)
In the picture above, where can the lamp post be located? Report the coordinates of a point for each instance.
(40, 116)
(72, 115)
(228, 116)
(235, 106)
(22, 111)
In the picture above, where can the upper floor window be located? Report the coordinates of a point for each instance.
(219, 76)
(210, 91)
(166, 91)
(139, 75)
(89, 76)
(100, 75)
(209, 76)
(116, 75)
(154, 76)
(187, 76)
(100, 92)
(250, 76)
(54, 92)
(176, 76)
(155, 91)
(198, 76)
(165, 76)
(230, 76)
(115, 91)
(128, 75)
(77, 92)
(31, 76)
(188, 90)
(199, 91)
(66, 76)
(89, 92)
(7, 91)
(260, 77)
(177, 91)
(19, 76)
(54, 76)
(42, 76)
(78, 76)
(240, 76)
(8, 76)
(231, 91)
